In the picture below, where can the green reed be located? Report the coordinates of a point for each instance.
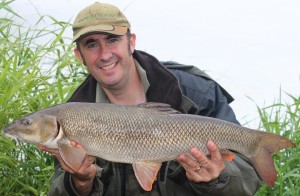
(27, 84)
(284, 119)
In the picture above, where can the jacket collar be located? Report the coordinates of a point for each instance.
(164, 86)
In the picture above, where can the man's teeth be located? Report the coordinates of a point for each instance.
(109, 66)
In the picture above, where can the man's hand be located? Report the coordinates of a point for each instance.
(83, 177)
(202, 168)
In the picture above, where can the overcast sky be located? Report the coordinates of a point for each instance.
(252, 48)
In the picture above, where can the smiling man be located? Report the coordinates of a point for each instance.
(109, 59)
(121, 74)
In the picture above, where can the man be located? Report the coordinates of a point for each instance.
(119, 74)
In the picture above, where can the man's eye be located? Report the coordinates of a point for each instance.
(91, 45)
(113, 39)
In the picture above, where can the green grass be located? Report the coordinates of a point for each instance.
(28, 84)
(284, 119)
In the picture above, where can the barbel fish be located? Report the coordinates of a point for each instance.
(144, 135)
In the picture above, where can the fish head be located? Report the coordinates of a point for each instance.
(35, 129)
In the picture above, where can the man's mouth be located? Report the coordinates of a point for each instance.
(109, 66)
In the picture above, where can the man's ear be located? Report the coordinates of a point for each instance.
(132, 42)
(78, 54)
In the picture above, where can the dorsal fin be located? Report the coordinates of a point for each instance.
(160, 107)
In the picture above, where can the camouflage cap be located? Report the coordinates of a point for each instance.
(100, 17)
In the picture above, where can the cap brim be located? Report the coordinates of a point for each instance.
(115, 30)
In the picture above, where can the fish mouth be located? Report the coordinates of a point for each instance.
(12, 136)
(7, 131)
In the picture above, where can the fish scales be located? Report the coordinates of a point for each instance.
(145, 135)
(129, 134)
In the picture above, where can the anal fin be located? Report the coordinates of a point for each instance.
(146, 173)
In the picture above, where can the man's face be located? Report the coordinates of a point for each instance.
(108, 58)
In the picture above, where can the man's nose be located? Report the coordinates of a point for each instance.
(104, 53)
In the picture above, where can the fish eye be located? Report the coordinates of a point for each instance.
(26, 121)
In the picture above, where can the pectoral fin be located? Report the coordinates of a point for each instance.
(146, 173)
(73, 156)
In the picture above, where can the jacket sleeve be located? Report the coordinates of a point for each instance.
(214, 104)
(61, 185)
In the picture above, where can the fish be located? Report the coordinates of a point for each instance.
(144, 135)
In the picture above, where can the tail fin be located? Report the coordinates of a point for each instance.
(262, 158)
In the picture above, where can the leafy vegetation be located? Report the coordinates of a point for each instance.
(284, 119)
(38, 69)
(34, 73)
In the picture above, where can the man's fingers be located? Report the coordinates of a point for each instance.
(201, 168)
(199, 176)
(90, 159)
(214, 151)
(50, 150)
(75, 144)
(187, 163)
(200, 157)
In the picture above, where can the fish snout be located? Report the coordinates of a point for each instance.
(7, 129)
(16, 126)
